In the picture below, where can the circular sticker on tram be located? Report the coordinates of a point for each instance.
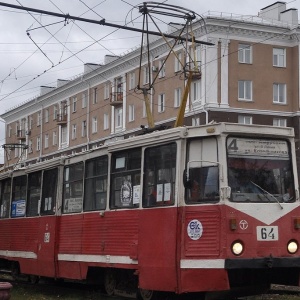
(195, 229)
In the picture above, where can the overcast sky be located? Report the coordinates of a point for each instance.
(36, 50)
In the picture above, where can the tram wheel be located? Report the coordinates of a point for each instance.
(33, 279)
(147, 295)
(110, 282)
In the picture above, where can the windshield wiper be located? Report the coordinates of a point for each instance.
(268, 193)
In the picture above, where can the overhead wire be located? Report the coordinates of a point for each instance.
(255, 43)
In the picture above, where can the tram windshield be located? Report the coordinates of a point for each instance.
(259, 170)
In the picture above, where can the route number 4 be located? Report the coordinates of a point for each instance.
(267, 233)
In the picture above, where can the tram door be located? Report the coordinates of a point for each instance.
(47, 225)
(158, 220)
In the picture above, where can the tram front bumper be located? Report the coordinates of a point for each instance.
(262, 263)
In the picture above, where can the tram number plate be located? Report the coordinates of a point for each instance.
(267, 233)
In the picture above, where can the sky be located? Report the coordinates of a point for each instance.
(36, 50)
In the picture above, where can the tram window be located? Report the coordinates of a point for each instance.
(95, 190)
(125, 179)
(48, 203)
(18, 203)
(260, 170)
(73, 188)
(203, 172)
(5, 198)
(159, 175)
(33, 194)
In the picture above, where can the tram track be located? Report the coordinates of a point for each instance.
(48, 288)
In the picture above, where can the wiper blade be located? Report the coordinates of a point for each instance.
(268, 194)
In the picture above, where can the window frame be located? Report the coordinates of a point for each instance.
(245, 53)
(277, 91)
(95, 184)
(160, 162)
(242, 90)
(243, 119)
(279, 59)
(74, 182)
(125, 179)
(161, 102)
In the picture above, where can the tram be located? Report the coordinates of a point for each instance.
(206, 209)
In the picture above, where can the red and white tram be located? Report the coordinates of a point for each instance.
(190, 209)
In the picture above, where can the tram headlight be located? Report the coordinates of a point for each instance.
(237, 248)
(292, 246)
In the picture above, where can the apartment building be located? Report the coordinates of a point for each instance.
(250, 74)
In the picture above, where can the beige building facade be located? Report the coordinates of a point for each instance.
(250, 74)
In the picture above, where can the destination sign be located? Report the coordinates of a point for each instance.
(257, 147)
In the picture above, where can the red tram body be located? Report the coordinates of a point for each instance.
(162, 212)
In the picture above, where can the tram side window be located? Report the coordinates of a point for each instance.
(73, 188)
(159, 175)
(125, 179)
(33, 193)
(95, 191)
(18, 203)
(202, 172)
(48, 203)
(5, 198)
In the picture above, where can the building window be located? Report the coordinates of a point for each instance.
(131, 113)
(94, 125)
(46, 140)
(195, 121)
(177, 62)
(9, 129)
(177, 97)
(83, 129)
(74, 129)
(16, 152)
(195, 91)
(245, 120)
(131, 81)
(46, 115)
(74, 104)
(245, 53)
(119, 117)
(146, 75)
(30, 123)
(162, 68)
(279, 93)
(279, 122)
(106, 90)
(54, 138)
(38, 143)
(161, 103)
(195, 58)
(95, 96)
(39, 119)
(245, 90)
(55, 112)
(30, 146)
(84, 98)
(105, 121)
(279, 57)
(64, 136)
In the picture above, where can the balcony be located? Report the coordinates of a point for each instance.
(62, 119)
(21, 135)
(116, 98)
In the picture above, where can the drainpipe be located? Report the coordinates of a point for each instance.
(88, 118)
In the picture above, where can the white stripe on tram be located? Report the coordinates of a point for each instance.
(97, 258)
(202, 263)
(20, 254)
